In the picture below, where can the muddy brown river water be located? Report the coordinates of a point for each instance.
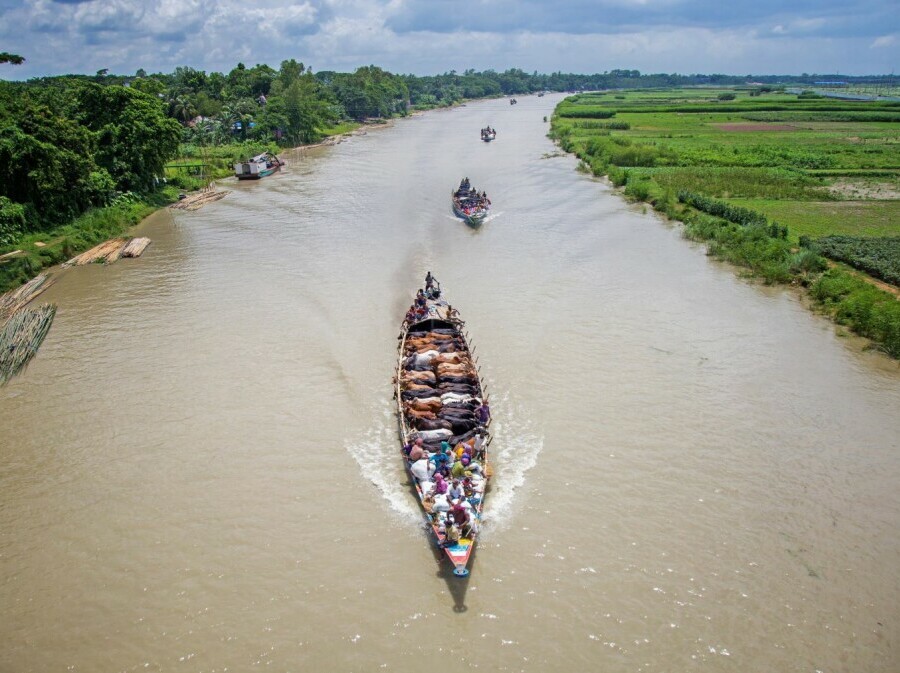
(199, 471)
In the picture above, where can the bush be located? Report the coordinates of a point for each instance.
(12, 220)
(879, 257)
(868, 311)
(726, 96)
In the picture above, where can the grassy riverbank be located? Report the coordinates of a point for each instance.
(44, 249)
(766, 179)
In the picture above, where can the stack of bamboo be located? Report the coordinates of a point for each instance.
(198, 200)
(21, 337)
(111, 250)
(108, 251)
(135, 247)
(13, 300)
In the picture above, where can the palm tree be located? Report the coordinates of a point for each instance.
(182, 109)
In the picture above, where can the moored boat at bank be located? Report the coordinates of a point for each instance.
(469, 204)
(444, 421)
(258, 167)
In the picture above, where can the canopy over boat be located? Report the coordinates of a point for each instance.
(258, 167)
(444, 421)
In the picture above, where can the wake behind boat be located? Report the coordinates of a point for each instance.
(488, 134)
(469, 204)
(443, 419)
(258, 167)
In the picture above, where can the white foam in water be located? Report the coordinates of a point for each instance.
(513, 452)
(378, 456)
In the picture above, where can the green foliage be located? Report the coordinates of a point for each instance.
(587, 112)
(869, 311)
(736, 214)
(726, 96)
(12, 220)
(879, 257)
(15, 59)
(135, 139)
(613, 126)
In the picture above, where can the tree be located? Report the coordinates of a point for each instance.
(135, 139)
(15, 59)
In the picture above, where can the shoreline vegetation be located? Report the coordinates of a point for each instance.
(795, 188)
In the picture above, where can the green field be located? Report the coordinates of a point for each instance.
(817, 219)
(760, 174)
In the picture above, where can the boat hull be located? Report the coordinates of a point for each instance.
(442, 317)
(472, 218)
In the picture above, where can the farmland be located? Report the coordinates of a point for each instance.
(755, 172)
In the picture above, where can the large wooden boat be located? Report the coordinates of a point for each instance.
(469, 204)
(258, 167)
(440, 401)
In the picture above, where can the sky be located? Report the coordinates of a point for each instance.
(433, 36)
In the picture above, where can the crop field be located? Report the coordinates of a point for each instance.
(819, 165)
(755, 172)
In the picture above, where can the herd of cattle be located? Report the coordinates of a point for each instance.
(439, 387)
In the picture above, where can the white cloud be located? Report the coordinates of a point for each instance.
(124, 35)
(884, 41)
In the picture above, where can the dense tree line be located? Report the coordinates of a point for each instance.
(73, 142)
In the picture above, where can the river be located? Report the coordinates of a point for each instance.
(199, 471)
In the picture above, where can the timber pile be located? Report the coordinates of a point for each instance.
(21, 337)
(109, 251)
(135, 247)
(13, 300)
(198, 200)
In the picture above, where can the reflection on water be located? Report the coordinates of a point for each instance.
(199, 470)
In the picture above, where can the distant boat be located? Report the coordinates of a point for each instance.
(469, 204)
(540, 94)
(258, 167)
(513, 101)
(488, 134)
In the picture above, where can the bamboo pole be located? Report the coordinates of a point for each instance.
(21, 337)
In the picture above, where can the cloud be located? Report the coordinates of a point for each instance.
(426, 36)
(884, 41)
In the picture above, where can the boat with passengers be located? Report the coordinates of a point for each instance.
(444, 422)
(469, 204)
(488, 134)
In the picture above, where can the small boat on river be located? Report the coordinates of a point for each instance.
(258, 167)
(469, 204)
(488, 134)
(444, 422)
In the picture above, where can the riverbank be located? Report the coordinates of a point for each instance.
(30, 255)
(768, 180)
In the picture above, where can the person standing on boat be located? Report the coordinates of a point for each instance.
(429, 281)
(483, 413)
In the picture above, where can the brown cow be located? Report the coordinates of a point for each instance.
(432, 404)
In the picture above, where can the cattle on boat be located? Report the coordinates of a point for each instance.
(444, 420)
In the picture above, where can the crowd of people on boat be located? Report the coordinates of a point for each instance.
(488, 133)
(468, 200)
(448, 419)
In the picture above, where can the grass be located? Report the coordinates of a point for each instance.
(86, 231)
(818, 219)
(807, 165)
